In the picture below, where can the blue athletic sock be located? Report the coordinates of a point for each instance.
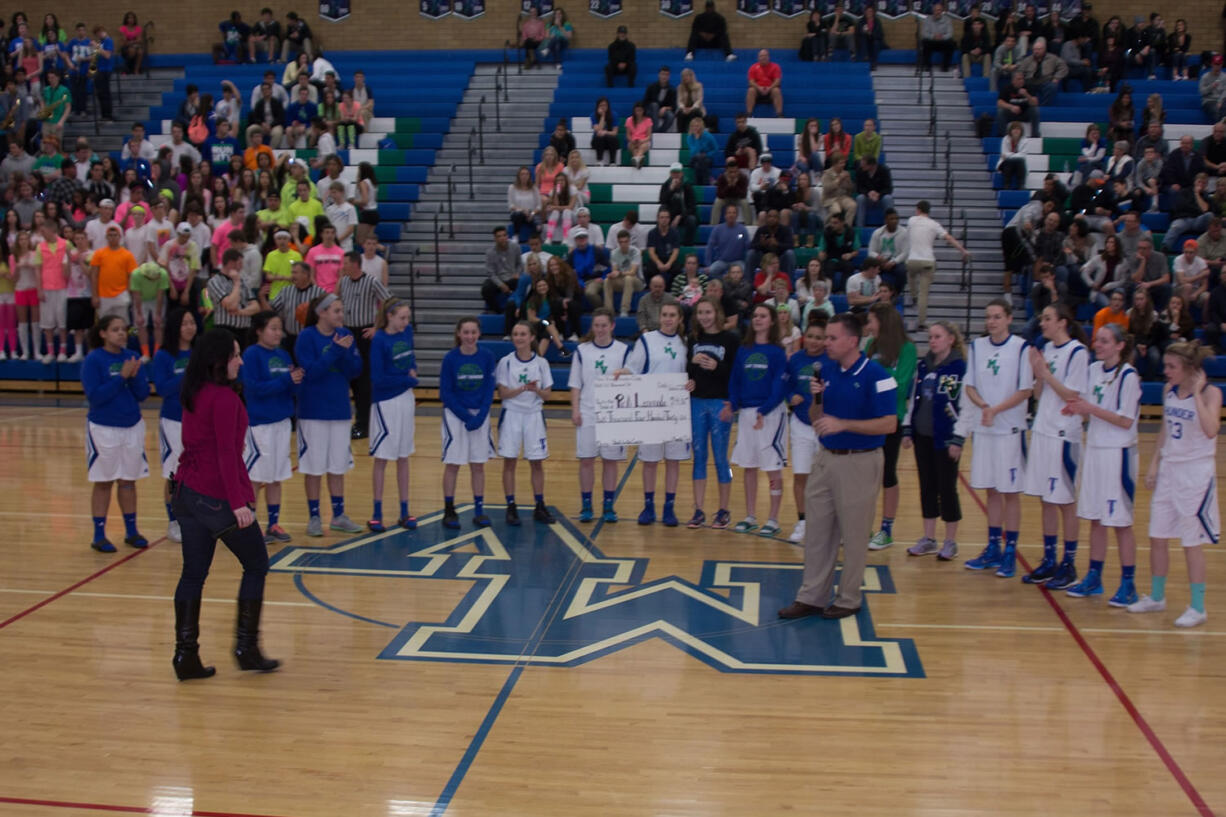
(1011, 539)
(338, 505)
(404, 510)
(129, 524)
(313, 507)
(1198, 596)
(1070, 550)
(887, 525)
(669, 499)
(1096, 564)
(170, 512)
(99, 528)
(478, 505)
(510, 499)
(1157, 588)
(1049, 548)
(539, 498)
(274, 514)
(1128, 572)
(449, 503)
(649, 497)
(608, 497)
(587, 498)
(378, 512)
(994, 537)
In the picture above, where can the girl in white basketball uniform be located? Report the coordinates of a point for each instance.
(598, 356)
(660, 351)
(524, 384)
(1112, 401)
(1182, 475)
(998, 382)
(1060, 373)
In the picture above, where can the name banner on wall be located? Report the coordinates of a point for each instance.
(542, 7)
(334, 10)
(790, 8)
(753, 9)
(605, 8)
(435, 9)
(676, 8)
(468, 9)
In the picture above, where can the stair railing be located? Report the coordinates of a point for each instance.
(472, 187)
(413, 285)
(949, 176)
(480, 130)
(498, 90)
(968, 277)
(438, 268)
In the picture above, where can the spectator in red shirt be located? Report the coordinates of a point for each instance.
(765, 278)
(764, 79)
(213, 500)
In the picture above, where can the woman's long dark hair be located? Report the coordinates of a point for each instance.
(174, 325)
(209, 363)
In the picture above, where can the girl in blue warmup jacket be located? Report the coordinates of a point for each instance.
(393, 409)
(270, 384)
(168, 366)
(326, 351)
(466, 388)
(756, 392)
(115, 385)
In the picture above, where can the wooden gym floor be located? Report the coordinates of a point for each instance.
(597, 670)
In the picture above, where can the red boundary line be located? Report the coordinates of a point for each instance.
(81, 583)
(21, 801)
(1155, 742)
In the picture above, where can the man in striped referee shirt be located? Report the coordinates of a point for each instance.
(289, 300)
(362, 295)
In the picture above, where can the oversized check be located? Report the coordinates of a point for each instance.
(642, 408)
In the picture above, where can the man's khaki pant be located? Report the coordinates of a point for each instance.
(840, 501)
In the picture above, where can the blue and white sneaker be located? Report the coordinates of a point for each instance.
(1065, 577)
(647, 516)
(586, 514)
(987, 560)
(1045, 571)
(1008, 563)
(1091, 585)
(1126, 595)
(669, 517)
(609, 515)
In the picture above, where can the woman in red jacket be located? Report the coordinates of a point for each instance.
(213, 499)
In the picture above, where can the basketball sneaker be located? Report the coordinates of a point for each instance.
(541, 514)
(1008, 563)
(697, 520)
(722, 519)
(926, 546)
(1147, 605)
(1125, 596)
(315, 526)
(647, 516)
(988, 559)
(1191, 618)
(1041, 574)
(344, 524)
(1065, 577)
(609, 515)
(669, 517)
(798, 533)
(880, 541)
(949, 551)
(512, 514)
(586, 514)
(1091, 585)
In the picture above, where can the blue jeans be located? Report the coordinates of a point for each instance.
(704, 420)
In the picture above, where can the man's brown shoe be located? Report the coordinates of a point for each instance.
(834, 611)
(798, 609)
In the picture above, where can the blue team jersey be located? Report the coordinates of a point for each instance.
(801, 368)
(324, 392)
(113, 401)
(466, 385)
(391, 360)
(267, 385)
(167, 371)
(759, 377)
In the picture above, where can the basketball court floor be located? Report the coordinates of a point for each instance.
(598, 670)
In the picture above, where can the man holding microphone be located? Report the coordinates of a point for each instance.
(854, 408)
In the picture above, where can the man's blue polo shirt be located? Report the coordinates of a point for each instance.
(865, 391)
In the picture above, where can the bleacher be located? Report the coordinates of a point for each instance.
(822, 90)
(1063, 128)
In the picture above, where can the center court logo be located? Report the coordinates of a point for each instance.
(545, 595)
